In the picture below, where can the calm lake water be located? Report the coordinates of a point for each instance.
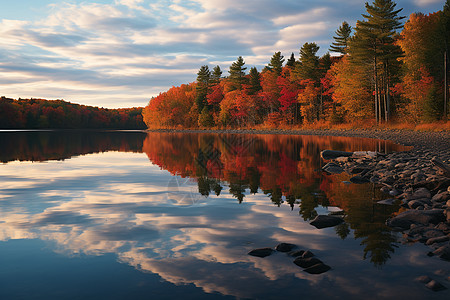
(131, 215)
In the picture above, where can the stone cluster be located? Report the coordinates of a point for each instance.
(417, 180)
(303, 258)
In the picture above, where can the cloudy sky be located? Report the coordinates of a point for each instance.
(120, 53)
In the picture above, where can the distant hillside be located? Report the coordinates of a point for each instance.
(59, 114)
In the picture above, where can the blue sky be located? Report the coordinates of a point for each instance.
(120, 53)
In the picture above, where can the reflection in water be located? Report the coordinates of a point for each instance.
(58, 145)
(151, 216)
(286, 168)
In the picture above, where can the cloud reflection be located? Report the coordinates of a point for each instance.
(119, 203)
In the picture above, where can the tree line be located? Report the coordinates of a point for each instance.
(59, 114)
(378, 74)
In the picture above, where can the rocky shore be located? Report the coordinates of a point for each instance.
(417, 179)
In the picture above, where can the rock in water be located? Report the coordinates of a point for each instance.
(323, 221)
(435, 286)
(443, 252)
(317, 268)
(333, 168)
(307, 254)
(261, 252)
(285, 247)
(405, 219)
(331, 154)
(297, 253)
(307, 262)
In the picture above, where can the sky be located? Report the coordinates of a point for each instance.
(120, 53)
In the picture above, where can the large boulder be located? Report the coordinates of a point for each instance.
(324, 221)
(424, 217)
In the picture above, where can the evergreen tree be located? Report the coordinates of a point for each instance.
(237, 73)
(374, 43)
(216, 75)
(291, 61)
(254, 81)
(308, 65)
(341, 39)
(325, 63)
(203, 78)
(276, 63)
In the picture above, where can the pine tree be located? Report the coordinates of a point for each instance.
(308, 65)
(216, 75)
(203, 78)
(374, 43)
(341, 39)
(276, 63)
(291, 61)
(254, 81)
(237, 73)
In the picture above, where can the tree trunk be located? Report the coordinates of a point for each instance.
(375, 78)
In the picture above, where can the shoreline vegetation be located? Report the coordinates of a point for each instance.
(381, 72)
(378, 77)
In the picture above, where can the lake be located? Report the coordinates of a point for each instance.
(160, 215)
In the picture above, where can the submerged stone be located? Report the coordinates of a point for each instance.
(285, 247)
(307, 254)
(317, 269)
(261, 252)
(307, 262)
(323, 221)
(297, 253)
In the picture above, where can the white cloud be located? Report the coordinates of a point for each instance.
(125, 43)
(426, 2)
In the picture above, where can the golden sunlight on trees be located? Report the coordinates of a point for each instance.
(383, 72)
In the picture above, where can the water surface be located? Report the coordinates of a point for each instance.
(117, 215)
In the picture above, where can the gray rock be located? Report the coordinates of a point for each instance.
(317, 269)
(331, 154)
(323, 221)
(333, 168)
(420, 194)
(441, 197)
(307, 262)
(285, 247)
(406, 218)
(439, 239)
(443, 252)
(261, 252)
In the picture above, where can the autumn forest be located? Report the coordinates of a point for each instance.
(381, 71)
(386, 69)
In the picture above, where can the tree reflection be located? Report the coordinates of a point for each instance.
(364, 216)
(63, 144)
(287, 169)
